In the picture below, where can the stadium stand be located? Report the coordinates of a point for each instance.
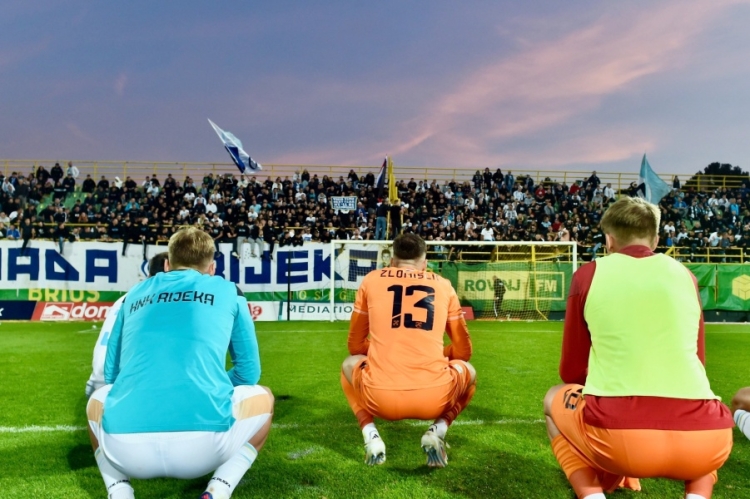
(700, 223)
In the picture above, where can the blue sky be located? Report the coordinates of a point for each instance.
(543, 85)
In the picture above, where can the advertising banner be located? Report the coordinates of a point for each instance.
(541, 286)
(98, 273)
(262, 311)
(67, 311)
(733, 284)
(91, 271)
(705, 274)
(300, 311)
(16, 310)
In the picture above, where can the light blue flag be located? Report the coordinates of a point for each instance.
(233, 145)
(652, 187)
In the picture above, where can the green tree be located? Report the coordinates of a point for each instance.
(717, 175)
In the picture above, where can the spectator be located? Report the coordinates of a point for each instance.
(88, 184)
(270, 237)
(143, 232)
(59, 191)
(103, 183)
(129, 235)
(56, 173)
(395, 213)
(381, 220)
(27, 234)
(488, 233)
(69, 183)
(7, 187)
(593, 180)
(256, 238)
(242, 232)
(510, 181)
(42, 175)
(609, 193)
(228, 236)
(62, 234)
(679, 207)
(72, 170)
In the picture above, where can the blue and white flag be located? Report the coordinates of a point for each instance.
(651, 186)
(233, 145)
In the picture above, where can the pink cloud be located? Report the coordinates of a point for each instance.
(553, 82)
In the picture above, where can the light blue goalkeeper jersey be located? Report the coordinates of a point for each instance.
(166, 355)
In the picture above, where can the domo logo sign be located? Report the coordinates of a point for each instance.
(67, 311)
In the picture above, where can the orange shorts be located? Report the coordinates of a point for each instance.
(424, 403)
(638, 453)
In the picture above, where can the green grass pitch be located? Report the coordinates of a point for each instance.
(499, 447)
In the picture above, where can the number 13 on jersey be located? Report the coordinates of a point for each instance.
(425, 319)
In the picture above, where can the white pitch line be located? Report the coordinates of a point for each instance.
(278, 426)
(302, 453)
(41, 429)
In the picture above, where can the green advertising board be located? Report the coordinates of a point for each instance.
(706, 277)
(733, 285)
(531, 289)
(540, 287)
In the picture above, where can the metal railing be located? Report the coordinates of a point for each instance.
(707, 254)
(138, 170)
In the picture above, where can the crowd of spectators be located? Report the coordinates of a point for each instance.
(485, 206)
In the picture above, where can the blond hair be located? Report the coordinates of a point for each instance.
(631, 218)
(190, 247)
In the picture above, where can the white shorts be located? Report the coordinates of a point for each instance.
(184, 454)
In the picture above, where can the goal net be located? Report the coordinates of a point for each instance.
(494, 280)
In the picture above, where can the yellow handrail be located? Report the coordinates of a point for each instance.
(140, 169)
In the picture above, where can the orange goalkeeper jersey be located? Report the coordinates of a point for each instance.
(405, 312)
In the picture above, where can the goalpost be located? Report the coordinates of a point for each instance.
(494, 280)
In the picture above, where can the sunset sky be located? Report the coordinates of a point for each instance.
(518, 85)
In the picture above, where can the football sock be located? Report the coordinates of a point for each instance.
(229, 474)
(742, 418)
(352, 397)
(694, 496)
(118, 484)
(440, 427)
(598, 495)
(459, 406)
(368, 430)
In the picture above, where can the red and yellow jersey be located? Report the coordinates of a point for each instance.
(405, 313)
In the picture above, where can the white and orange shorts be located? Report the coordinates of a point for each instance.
(183, 454)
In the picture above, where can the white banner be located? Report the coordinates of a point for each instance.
(302, 311)
(344, 202)
(264, 311)
(95, 266)
(81, 266)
